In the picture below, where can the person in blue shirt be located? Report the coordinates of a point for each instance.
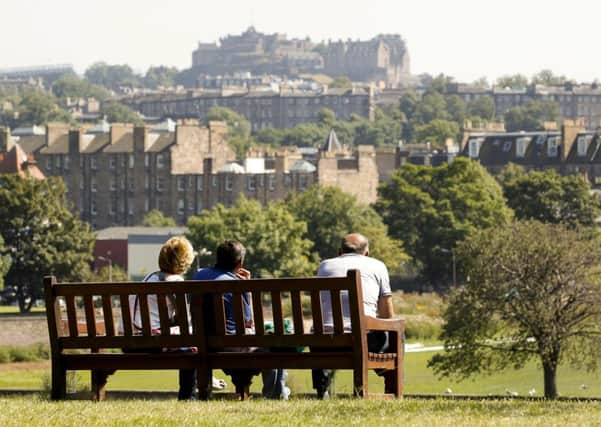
(229, 266)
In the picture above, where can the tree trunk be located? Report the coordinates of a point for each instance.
(24, 304)
(550, 372)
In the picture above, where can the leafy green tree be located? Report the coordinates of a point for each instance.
(436, 132)
(534, 291)
(155, 218)
(326, 117)
(547, 78)
(531, 116)
(4, 262)
(481, 83)
(331, 213)
(341, 82)
(238, 127)
(160, 76)
(431, 107)
(306, 135)
(516, 80)
(270, 136)
(431, 209)
(120, 113)
(549, 197)
(483, 107)
(111, 76)
(41, 235)
(273, 237)
(38, 108)
(456, 108)
(74, 87)
(115, 273)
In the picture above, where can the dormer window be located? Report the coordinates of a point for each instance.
(507, 146)
(552, 146)
(474, 147)
(521, 145)
(583, 143)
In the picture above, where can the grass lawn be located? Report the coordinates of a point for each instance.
(19, 411)
(419, 380)
(13, 309)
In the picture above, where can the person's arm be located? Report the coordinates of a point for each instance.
(385, 308)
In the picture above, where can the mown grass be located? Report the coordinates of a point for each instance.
(13, 309)
(18, 411)
(419, 380)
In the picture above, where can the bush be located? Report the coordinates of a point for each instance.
(4, 355)
(422, 327)
(31, 353)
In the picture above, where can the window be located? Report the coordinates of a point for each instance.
(252, 182)
(181, 183)
(271, 181)
(160, 159)
(146, 182)
(583, 144)
(552, 146)
(112, 206)
(112, 162)
(146, 204)
(474, 147)
(130, 184)
(190, 182)
(199, 183)
(93, 207)
(214, 180)
(520, 146)
(181, 207)
(146, 160)
(66, 163)
(48, 163)
(228, 182)
(131, 160)
(93, 163)
(160, 183)
(507, 146)
(57, 161)
(287, 180)
(113, 183)
(93, 184)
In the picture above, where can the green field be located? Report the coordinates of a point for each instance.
(419, 380)
(20, 411)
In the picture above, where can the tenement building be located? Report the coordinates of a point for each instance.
(383, 58)
(263, 109)
(569, 150)
(115, 175)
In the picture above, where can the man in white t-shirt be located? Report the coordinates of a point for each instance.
(377, 297)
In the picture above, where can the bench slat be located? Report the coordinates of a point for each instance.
(278, 317)
(297, 312)
(144, 314)
(133, 342)
(88, 304)
(219, 314)
(272, 341)
(107, 311)
(166, 360)
(72, 316)
(163, 314)
(258, 313)
(182, 313)
(238, 313)
(126, 315)
(337, 312)
(333, 360)
(316, 312)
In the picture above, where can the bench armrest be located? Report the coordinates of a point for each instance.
(375, 324)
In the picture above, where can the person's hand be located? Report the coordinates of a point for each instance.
(243, 274)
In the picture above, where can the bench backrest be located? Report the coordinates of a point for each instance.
(98, 315)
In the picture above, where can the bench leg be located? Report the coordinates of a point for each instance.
(99, 380)
(360, 388)
(204, 380)
(59, 381)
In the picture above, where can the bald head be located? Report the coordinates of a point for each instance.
(354, 243)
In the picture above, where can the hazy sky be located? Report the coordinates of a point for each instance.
(466, 39)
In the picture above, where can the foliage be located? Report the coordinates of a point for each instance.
(104, 274)
(330, 214)
(36, 107)
(41, 235)
(547, 78)
(120, 113)
(341, 82)
(482, 106)
(4, 262)
(436, 132)
(531, 117)
(30, 353)
(155, 218)
(74, 87)
(273, 237)
(238, 129)
(534, 291)
(431, 209)
(111, 76)
(512, 81)
(161, 76)
(549, 197)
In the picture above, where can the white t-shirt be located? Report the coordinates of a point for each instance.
(153, 307)
(375, 283)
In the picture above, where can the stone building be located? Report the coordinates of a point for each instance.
(383, 58)
(262, 108)
(115, 175)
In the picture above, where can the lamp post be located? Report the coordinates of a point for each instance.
(452, 252)
(110, 263)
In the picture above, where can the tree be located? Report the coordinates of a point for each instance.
(483, 107)
(456, 108)
(238, 127)
(437, 132)
(548, 197)
(330, 214)
(4, 262)
(431, 107)
(41, 235)
(534, 292)
(105, 274)
(155, 218)
(160, 76)
(431, 209)
(547, 78)
(512, 81)
(38, 108)
(120, 113)
(532, 116)
(111, 76)
(272, 235)
(74, 87)
(341, 82)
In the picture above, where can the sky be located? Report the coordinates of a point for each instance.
(466, 39)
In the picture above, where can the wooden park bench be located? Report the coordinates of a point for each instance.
(97, 347)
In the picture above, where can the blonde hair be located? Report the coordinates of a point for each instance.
(176, 255)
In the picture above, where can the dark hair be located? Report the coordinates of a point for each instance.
(229, 254)
(354, 243)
